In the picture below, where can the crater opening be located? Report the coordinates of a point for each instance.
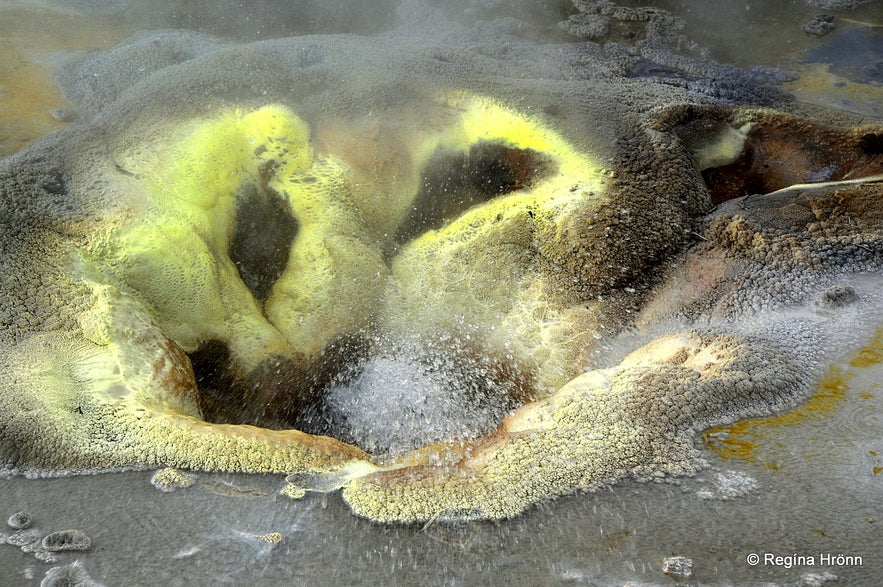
(384, 396)
(452, 182)
(778, 155)
(279, 393)
(262, 238)
(383, 400)
(417, 397)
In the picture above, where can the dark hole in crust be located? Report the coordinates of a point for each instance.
(261, 239)
(453, 182)
(214, 379)
(871, 143)
(279, 393)
(776, 156)
(282, 394)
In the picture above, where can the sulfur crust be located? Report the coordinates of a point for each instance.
(529, 275)
(486, 276)
(160, 281)
(335, 270)
(175, 255)
(601, 426)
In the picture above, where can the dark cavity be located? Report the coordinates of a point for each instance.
(262, 238)
(453, 182)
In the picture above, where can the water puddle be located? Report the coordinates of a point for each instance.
(33, 40)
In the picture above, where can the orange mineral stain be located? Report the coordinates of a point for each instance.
(743, 439)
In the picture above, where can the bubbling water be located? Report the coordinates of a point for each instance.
(397, 403)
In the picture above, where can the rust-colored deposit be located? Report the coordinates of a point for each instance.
(745, 439)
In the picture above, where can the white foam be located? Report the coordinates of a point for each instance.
(402, 402)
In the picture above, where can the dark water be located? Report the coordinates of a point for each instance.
(855, 54)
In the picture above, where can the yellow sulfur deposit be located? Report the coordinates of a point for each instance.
(227, 279)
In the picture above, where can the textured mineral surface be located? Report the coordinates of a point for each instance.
(453, 278)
